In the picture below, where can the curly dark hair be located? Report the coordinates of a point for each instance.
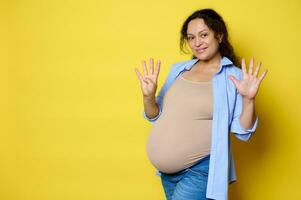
(216, 23)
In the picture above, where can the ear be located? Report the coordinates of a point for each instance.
(220, 37)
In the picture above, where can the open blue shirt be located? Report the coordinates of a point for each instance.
(227, 107)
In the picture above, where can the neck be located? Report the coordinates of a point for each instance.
(213, 62)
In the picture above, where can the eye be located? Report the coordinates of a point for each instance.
(190, 38)
(204, 35)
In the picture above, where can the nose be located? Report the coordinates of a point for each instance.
(198, 41)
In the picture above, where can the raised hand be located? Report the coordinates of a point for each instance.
(249, 85)
(150, 79)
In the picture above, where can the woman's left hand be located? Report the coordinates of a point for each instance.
(248, 86)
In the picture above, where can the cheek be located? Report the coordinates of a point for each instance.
(214, 45)
(191, 48)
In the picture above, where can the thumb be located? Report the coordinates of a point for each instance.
(150, 80)
(234, 80)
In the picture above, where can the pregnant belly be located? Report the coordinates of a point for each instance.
(173, 147)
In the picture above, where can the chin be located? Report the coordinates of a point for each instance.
(202, 57)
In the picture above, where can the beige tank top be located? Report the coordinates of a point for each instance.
(181, 136)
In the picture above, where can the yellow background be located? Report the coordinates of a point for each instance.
(71, 124)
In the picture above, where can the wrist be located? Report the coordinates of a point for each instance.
(149, 98)
(248, 100)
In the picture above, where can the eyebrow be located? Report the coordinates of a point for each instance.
(198, 32)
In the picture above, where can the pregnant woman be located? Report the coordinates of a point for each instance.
(201, 101)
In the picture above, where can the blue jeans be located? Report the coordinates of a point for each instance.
(188, 184)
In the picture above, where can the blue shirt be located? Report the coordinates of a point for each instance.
(227, 107)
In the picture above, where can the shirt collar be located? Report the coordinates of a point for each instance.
(224, 62)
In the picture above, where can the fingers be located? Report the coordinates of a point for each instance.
(234, 80)
(148, 80)
(251, 66)
(243, 66)
(250, 72)
(157, 70)
(144, 68)
(151, 63)
(140, 77)
(263, 75)
(152, 71)
(257, 69)
(151, 68)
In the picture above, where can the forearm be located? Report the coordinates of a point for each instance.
(248, 115)
(151, 108)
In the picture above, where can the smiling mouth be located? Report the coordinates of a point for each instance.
(201, 50)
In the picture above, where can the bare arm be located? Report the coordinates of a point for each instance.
(151, 108)
(248, 115)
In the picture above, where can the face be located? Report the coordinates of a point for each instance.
(202, 40)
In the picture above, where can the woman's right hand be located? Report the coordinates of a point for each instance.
(150, 79)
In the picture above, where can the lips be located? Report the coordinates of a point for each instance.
(201, 50)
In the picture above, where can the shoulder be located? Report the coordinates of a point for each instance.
(181, 64)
